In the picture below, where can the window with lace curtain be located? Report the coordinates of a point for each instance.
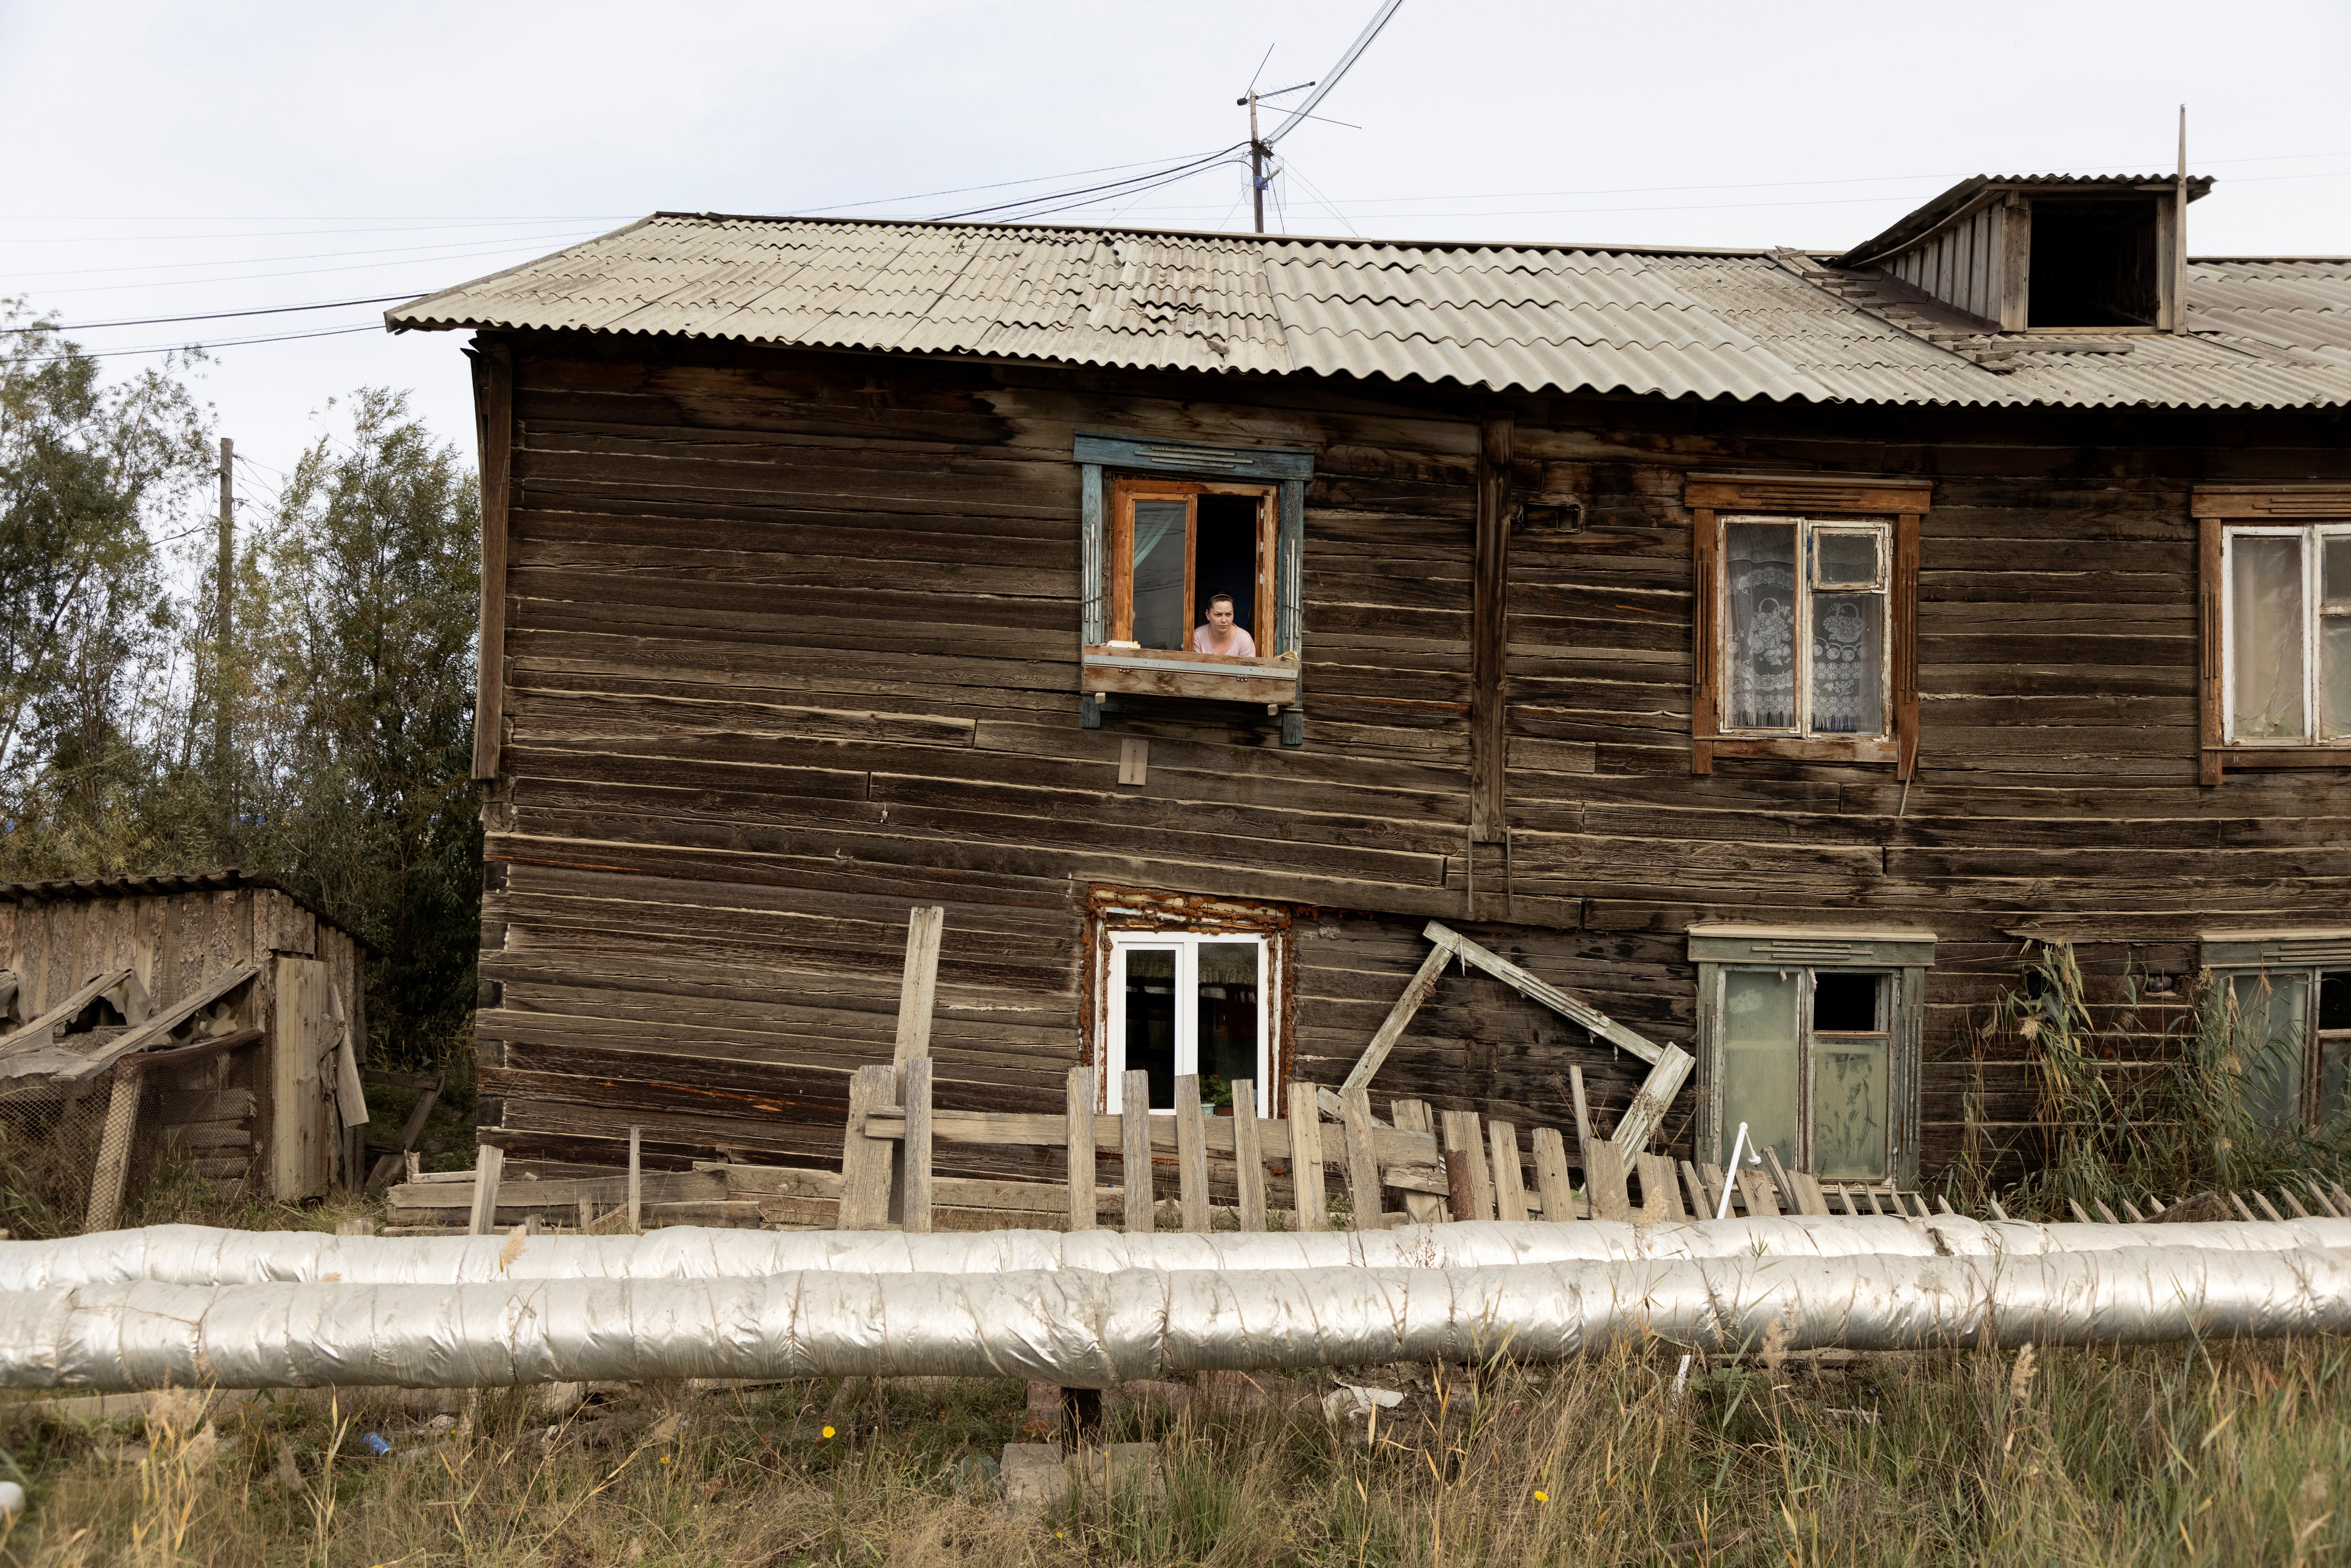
(1807, 619)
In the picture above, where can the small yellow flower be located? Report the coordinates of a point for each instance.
(1542, 1496)
(664, 1458)
(828, 1431)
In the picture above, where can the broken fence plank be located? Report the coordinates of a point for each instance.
(1362, 1164)
(1549, 994)
(1603, 1183)
(1551, 1175)
(1699, 1204)
(1307, 1198)
(1789, 1203)
(1080, 1115)
(913, 1196)
(1248, 1164)
(1191, 1155)
(1509, 1178)
(1755, 1187)
(1660, 1193)
(1584, 1139)
(1647, 1114)
(1420, 1207)
(1392, 1027)
(490, 1160)
(864, 1161)
(1134, 1151)
(918, 987)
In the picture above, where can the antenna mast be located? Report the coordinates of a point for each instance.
(2178, 233)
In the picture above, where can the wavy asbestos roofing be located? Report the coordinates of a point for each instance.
(1527, 318)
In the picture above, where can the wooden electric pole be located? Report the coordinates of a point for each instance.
(1257, 162)
(222, 681)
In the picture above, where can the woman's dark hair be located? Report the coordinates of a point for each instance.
(1216, 598)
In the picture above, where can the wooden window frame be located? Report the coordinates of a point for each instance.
(1127, 489)
(1900, 958)
(1107, 676)
(1126, 916)
(2221, 510)
(2314, 955)
(1826, 500)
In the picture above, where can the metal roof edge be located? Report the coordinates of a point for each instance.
(164, 885)
(446, 325)
(1762, 252)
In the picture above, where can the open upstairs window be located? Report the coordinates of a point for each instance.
(1806, 621)
(1191, 567)
(2276, 629)
(1191, 559)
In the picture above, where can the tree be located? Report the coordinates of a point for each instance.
(86, 624)
(357, 634)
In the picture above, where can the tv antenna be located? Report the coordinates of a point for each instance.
(1262, 147)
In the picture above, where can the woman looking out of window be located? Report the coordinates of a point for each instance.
(1218, 634)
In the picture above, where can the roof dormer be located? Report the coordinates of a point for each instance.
(2044, 252)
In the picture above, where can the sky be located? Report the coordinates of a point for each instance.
(177, 159)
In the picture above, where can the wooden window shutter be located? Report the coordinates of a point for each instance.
(1706, 656)
(2208, 650)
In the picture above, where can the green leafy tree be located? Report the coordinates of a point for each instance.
(357, 646)
(87, 630)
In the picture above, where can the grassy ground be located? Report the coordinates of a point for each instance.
(2224, 1455)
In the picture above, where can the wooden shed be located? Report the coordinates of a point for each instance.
(1770, 647)
(218, 1017)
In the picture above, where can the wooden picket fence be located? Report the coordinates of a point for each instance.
(1456, 1166)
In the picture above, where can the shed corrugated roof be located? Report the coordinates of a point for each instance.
(1534, 318)
(229, 879)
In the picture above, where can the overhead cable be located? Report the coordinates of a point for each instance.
(1331, 77)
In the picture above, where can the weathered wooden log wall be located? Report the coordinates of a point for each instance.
(221, 1114)
(790, 646)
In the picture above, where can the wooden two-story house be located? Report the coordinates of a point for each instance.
(1763, 645)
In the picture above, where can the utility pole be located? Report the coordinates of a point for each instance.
(1256, 163)
(223, 683)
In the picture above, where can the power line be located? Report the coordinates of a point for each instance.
(207, 316)
(1329, 79)
(1089, 190)
(313, 271)
(221, 343)
(285, 233)
(307, 256)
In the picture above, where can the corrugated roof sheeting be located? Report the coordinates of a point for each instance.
(1534, 319)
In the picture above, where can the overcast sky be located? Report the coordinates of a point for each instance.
(174, 158)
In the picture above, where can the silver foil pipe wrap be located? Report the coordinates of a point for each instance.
(193, 1255)
(1082, 1327)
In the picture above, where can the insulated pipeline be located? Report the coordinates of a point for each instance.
(1087, 1328)
(193, 1255)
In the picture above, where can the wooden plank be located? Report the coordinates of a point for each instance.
(1413, 1116)
(1755, 1187)
(1391, 1146)
(493, 367)
(1905, 644)
(489, 1161)
(919, 988)
(42, 1031)
(161, 1024)
(2268, 1208)
(1490, 631)
(1392, 1027)
(114, 1145)
(1603, 1183)
(1249, 1163)
(298, 1094)
(1362, 1163)
(1079, 1112)
(1458, 1131)
(1701, 1205)
(1647, 1114)
(865, 1162)
(1705, 698)
(1789, 1202)
(1509, 1181)
(1660, 1194)
(1308, 1199)
(1551, 1175)
(1809, 1198)
(1191, 1155)
(1135, 1150)
(410, 1130)
(1584, 1138)
(636, 1181)
(913, 1202)
(1549, 994)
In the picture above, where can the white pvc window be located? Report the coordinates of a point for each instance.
(1185, 1003)
(1807, 624)
(2286, 605)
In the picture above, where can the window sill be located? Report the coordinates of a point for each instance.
(2330, 754)
(1214, 677)
(1819, 748)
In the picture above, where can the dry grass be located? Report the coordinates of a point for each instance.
(2223, 1455)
